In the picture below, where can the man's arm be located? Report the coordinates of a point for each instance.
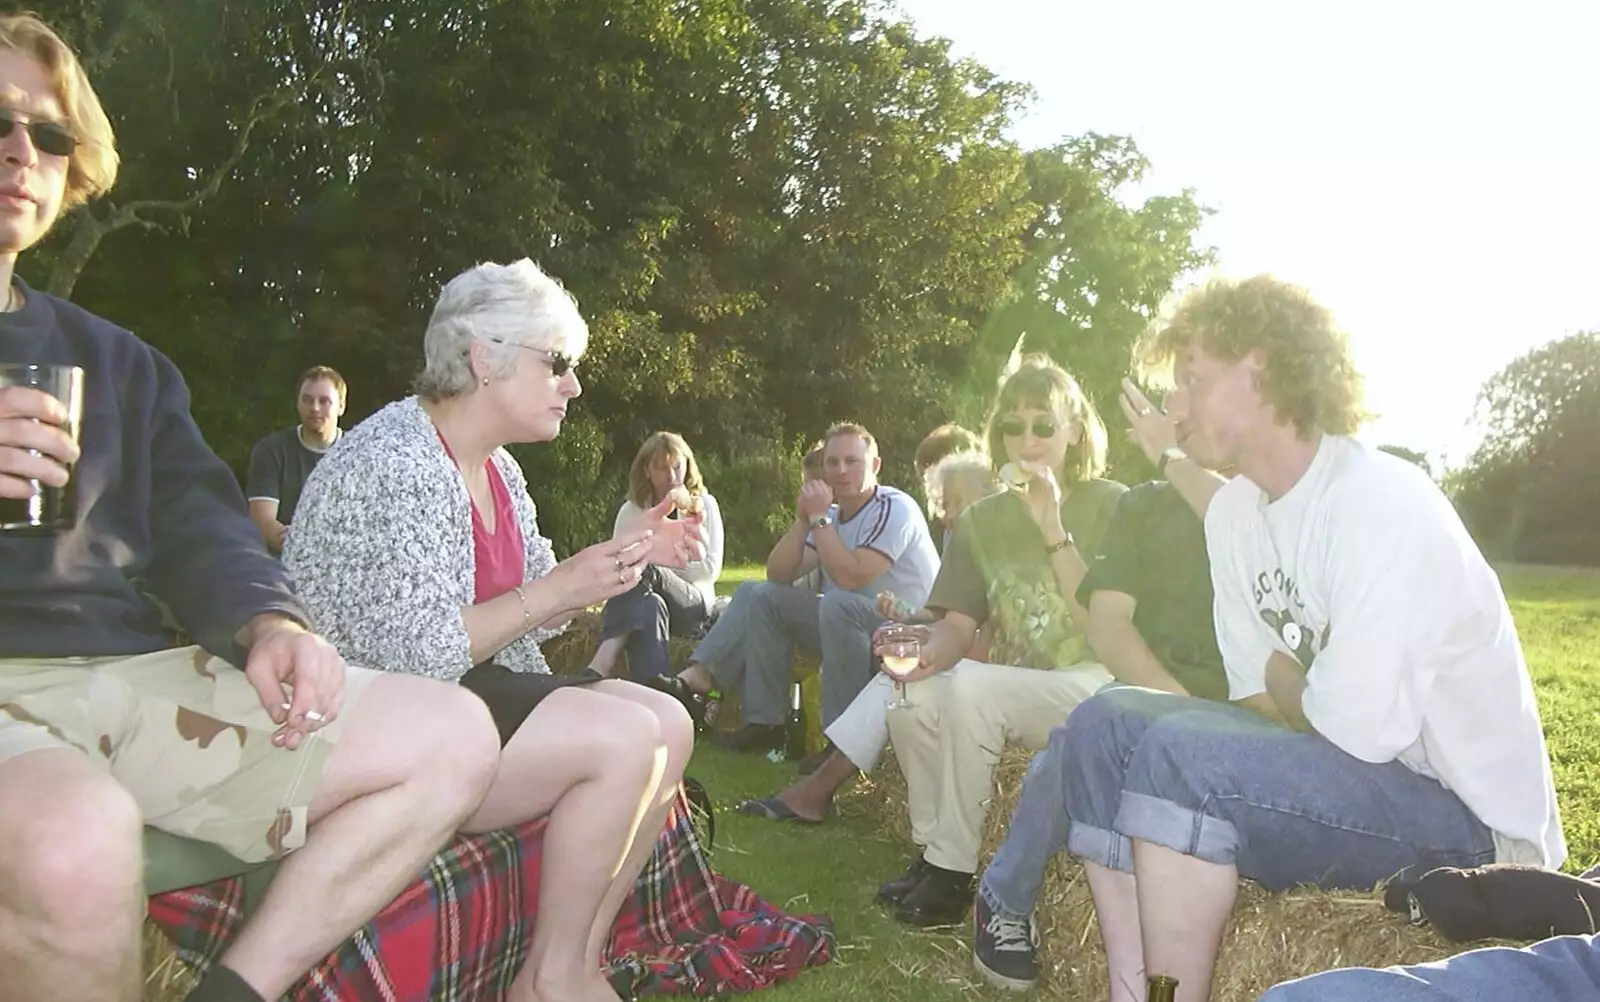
(264, 490)
(1193, 482)
(850, 569)
(790, 558)
(1286, 684)
(264, 513)
(1122, 648)
(208, 562)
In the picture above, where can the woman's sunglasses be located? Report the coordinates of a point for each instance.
(1042, 428)
(48, 137)
(559, 361)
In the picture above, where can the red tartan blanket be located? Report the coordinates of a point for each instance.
(460, 932)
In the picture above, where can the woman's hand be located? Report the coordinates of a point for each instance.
(672, 542)
(1043, 498)
(603, 570)
(923, 635)
(1148, 425)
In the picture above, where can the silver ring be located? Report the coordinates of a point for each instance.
(618, 563)
(315, 717)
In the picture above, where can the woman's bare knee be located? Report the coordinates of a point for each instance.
(674, 729)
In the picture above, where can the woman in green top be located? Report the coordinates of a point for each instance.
(1012, 569)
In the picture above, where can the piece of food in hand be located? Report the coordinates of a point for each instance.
(1014, 477)
(685, 501)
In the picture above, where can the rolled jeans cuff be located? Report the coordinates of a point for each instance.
(1164, 823)
(1100, 846)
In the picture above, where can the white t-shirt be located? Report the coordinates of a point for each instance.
(892, 524)
(1364, 574)
(700, 573)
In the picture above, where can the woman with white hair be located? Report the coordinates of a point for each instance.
(416, 548)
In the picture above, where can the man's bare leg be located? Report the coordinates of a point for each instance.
(811, 797)
(1116, 908)
(413, 762)
(71, 904)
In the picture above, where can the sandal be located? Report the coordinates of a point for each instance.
(774, 809)
(677, 688)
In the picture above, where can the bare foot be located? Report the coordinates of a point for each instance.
(592, 988)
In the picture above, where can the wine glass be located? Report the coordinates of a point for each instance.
(900, 647)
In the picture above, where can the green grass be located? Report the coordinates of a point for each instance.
(733, 577)
(834, 869)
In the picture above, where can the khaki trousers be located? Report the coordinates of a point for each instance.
(949, 742)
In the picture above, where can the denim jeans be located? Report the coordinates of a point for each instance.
(1565, 968)
(1219, 783)
(660, 606)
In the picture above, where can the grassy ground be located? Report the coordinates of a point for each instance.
(835, 868)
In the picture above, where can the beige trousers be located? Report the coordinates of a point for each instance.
(950, 740)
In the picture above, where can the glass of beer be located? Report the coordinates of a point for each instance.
(45, 510)
(900, 647)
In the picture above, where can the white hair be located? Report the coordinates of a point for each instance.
(500, 306)
(969, 465)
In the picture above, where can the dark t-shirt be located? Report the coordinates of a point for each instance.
(996, 571)
(280, 465)
(158, 512)
(1155, 552)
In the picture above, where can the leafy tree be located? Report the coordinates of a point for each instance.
(1532, 489)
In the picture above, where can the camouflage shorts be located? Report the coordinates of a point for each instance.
(182, 731)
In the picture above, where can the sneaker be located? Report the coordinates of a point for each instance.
(896, 889)
(1003, 947)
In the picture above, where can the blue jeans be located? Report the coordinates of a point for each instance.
(1221, 784)
(1565, 968)
(660, 606)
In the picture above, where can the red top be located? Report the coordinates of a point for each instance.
(498, 556)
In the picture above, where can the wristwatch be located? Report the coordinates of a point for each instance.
(818, 521)
(1169, 455)
(1055, 548)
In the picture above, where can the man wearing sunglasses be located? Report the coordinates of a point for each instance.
(354, 779)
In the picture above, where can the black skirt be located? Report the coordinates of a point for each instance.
(512, 695)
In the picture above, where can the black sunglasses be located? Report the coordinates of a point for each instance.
(559, 361)
(1042, 428)
(48, 137)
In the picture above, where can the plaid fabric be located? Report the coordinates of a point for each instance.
(460, 932)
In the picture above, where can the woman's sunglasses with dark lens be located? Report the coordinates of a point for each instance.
(559, 361)
(48, 137)
(1014, 427)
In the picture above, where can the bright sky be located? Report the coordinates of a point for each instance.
(1429, 169)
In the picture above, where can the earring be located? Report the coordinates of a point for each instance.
(486, 380)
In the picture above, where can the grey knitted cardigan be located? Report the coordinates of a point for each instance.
(380, 549)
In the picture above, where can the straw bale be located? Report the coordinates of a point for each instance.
(1272, 937)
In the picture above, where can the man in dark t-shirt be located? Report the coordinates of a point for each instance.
(281, 463)
(1148, 592)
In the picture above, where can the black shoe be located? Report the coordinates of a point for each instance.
(1003, 947)
(693, 702)
(752, 738)
(811, 763)
(942, 898)
(895, 890)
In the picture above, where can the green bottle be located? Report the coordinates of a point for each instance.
(1161, 988)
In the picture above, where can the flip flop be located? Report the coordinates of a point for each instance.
(774, 809)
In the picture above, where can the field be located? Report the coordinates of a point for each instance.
(835, 868)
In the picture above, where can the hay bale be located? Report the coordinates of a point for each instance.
(1272, 937)
(169, 979)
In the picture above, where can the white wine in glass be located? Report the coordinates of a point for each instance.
(901, 650)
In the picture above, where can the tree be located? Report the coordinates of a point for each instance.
(1532, 488)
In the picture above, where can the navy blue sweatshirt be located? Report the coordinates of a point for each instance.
(157, 510)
